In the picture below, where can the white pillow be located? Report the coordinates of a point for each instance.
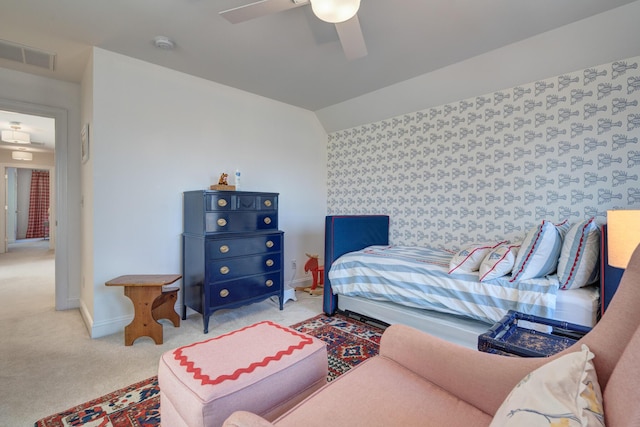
(539, 252)
(564, 392)
(578, 263)
(470, 258)
(499, 262)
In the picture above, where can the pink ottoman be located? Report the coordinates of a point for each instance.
(264, 368)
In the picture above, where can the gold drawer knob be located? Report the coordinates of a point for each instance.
(224, 269)
(269, 283)
(267, 220)
(267, 203)
(222, 222)
(269, 244)
(224, 249)
(224, 293)
(269, 263)
(222, 203)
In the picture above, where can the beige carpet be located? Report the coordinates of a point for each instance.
(48, 363)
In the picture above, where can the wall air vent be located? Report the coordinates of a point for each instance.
(26, 55)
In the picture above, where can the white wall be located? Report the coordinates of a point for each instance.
(87, 302)
(596, 40)
(156, 133)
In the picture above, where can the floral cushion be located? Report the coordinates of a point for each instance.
(564, 392)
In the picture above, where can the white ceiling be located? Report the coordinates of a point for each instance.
(290, 56)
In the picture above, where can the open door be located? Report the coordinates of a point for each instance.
(10, 207)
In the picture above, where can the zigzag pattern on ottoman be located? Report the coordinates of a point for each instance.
(264, 368)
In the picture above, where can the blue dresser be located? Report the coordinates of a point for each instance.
(232, 250)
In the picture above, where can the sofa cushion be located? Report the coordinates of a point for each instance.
(622, 387)
(380, 392)
(563, 392)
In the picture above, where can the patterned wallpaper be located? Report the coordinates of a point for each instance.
(492, 166)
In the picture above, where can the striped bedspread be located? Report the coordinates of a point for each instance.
(418, 277)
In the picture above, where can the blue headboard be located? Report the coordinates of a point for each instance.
(348, 233)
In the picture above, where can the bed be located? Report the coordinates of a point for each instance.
(364, 241)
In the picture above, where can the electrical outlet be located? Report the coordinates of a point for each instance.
(294, 264)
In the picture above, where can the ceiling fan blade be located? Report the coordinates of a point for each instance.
(351, 38)
(258, 9)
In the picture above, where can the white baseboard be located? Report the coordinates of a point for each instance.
(86, 316)
(102, 329)
(298, 283)
(117, 324)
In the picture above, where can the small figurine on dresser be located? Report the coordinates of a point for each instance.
(223, 179)
(223, 183)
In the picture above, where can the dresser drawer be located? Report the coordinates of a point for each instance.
(223, 293)
(219, 201)
(220, 222)
(267, 202)
(232, 268)
(246, 203)
(236, 201)
(232, 247)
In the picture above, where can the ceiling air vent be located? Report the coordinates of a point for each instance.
(27, 55)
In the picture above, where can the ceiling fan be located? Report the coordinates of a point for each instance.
(342, 13)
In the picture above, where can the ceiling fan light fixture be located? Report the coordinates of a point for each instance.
(16, 137)
(335, 11)
(21, 155)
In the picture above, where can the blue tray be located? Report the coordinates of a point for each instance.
(507, 337)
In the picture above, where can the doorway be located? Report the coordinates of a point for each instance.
(58, 227)
(28, 208)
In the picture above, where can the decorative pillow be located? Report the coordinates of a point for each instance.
(578, 263)
(539, 252)
(564, 392)
(499, 262)
(469, 258)
(563, 227)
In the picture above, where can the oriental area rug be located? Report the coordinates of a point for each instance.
(349, 342)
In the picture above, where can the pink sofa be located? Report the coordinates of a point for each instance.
(421, 380)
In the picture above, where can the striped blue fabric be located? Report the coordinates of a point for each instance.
(539, 252)
(578, 263)
(418, 277)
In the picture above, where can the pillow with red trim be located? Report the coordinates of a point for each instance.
(578, 263)
(563, 227)
(539, 252)
(499, 262)
(469, 259)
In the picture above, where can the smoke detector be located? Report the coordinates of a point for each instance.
(163, 42)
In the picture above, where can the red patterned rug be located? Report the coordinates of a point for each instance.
(349, 342)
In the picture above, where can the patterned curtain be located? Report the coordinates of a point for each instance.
(38, 205)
